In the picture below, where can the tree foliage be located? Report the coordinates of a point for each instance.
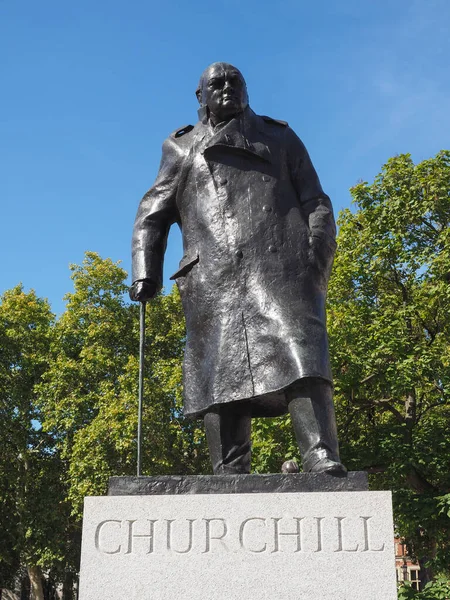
(434, 590)
(89, 392)
(69, 411)
(30, 469)
(389, 307)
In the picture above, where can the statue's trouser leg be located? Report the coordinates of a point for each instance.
(313, 418)
(228, 431)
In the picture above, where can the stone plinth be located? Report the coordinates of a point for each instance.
(239, 546)
(355, 481)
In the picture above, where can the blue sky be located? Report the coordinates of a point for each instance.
(91, 89)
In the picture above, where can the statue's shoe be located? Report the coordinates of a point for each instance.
(326, 465)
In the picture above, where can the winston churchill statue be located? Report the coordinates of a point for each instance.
(259, 240)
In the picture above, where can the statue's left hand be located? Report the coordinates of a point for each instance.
(321, 252)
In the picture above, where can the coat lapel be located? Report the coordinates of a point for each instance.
(239, 135)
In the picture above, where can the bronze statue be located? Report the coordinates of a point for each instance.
(259, 240)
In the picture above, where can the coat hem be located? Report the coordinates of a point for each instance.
(270, 404)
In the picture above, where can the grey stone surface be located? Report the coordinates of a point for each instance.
(277, 546)
(237, 484)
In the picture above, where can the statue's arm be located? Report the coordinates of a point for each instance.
(316, 205)
(156, 213)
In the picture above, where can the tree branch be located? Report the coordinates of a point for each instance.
(432, 227)
(435, 405)
(418, 483)
(368, 378)
(385, 404)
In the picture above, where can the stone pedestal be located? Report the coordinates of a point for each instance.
(355, 481)
(170, 541)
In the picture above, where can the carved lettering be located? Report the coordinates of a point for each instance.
(210, 537)
(367, 547)
(277, 533)
(190, 536)
(132, 535)
(242, 530)
(319, 533)
(97, 537)
(341, 538)
(252, 535)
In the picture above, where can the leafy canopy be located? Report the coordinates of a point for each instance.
(389, 328)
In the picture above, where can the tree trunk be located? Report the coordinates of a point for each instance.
(35, 575)
(8, 595)
(410, 415)
(68, 586)
(426, 574)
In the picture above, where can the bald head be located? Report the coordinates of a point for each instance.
(223, 90)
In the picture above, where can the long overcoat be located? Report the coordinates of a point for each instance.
(259, 240)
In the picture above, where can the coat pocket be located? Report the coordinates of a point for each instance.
(186, 264)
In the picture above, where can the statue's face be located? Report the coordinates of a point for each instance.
(224, 91)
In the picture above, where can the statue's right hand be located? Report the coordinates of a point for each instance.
(143, 290)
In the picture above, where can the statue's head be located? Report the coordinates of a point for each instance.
(222, 91)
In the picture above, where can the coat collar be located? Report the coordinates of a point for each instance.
(242, 134)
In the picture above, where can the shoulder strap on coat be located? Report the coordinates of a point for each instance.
(277, 121)
(182, 131)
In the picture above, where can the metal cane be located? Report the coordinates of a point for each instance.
(141, 382)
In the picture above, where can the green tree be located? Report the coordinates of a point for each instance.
(89, 393)
(29, 466)
(389, 326)
(68, 413)
(273, 442)
(434, 590)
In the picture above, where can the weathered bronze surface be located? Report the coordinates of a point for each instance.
(259, 240)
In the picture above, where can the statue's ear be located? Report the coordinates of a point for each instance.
(203, 113)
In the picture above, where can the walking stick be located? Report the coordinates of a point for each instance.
(141, 382)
